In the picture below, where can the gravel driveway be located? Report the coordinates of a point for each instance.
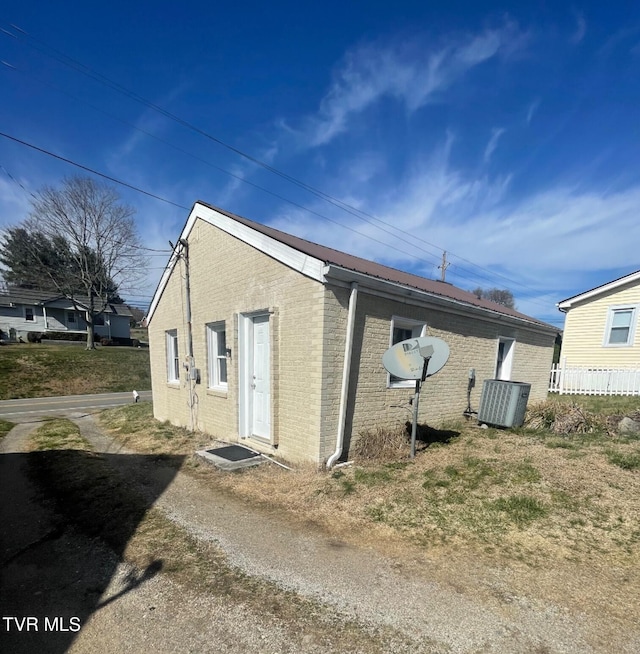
(376, 591)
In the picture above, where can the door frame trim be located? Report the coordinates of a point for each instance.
(245, 333)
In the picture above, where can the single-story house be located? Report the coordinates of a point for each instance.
(27, 310)
(260, 337)
(600, 326)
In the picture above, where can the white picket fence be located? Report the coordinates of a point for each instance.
(583, 380)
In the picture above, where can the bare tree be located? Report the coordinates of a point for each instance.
(104, 251)
(497, 295)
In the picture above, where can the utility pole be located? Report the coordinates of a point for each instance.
(443, 266)
(184, 255)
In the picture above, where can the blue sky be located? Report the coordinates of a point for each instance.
(505, 134)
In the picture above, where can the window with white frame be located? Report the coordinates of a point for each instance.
(621, 326)
(173, 358)
(217, 355)
(401, 330)
(71, 317)
(29, 314)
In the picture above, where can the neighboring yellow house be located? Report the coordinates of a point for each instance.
(600, 352)
(600, 328)
(263, 338)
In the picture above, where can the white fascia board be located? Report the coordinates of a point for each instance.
(411, 295)
(594, 292)
(290, 257)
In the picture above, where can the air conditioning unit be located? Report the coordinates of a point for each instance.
(503, 403)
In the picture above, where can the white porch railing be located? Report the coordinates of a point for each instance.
(584, 380)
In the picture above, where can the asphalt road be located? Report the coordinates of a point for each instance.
(19, 410)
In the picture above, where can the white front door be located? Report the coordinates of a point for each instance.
(260, 378)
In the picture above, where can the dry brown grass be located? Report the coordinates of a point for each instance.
(567, 418)
(526, 496)
(136, 427)
(97, 498)
(380, 444)
(488, 512)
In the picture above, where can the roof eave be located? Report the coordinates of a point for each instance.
(401, 290)
(565, 305)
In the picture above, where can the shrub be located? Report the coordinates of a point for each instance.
(563, 418)
(34, 337)
(66, 336)
(381, 443)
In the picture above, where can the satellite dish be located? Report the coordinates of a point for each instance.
(405, 360)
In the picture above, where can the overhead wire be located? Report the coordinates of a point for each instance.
(358, 213)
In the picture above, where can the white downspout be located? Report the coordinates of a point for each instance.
(346, 371)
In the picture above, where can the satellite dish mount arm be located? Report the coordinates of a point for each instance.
(416, 402)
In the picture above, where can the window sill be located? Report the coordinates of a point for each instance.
(173, 384)
(218, 392)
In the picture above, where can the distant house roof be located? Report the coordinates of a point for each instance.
(14, 295)
(567, 304)
(349, 262)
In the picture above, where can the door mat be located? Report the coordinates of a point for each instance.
(231, 457)
(233, 453)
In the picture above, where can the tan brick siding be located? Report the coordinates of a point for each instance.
(472, 342)
(307, 332)
(229, 277)
(584, 332)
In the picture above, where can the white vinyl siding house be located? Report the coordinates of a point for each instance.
(600, 352)
(23, 311)
(601, 325)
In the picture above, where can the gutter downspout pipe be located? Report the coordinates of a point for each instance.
(346, 371)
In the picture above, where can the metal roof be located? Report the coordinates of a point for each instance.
(377, 270)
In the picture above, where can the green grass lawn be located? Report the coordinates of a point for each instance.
(5, 428)
(39, 370)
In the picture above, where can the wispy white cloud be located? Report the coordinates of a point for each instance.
(547, 242)
(496, 133)
(413, 72)
(581, 28)
(533, 107)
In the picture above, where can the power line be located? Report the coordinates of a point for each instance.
(92, 171)
(360, 214)
(157, 197)
(139, 190)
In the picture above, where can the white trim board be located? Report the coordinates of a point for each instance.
(303, 263)
(599, 290)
